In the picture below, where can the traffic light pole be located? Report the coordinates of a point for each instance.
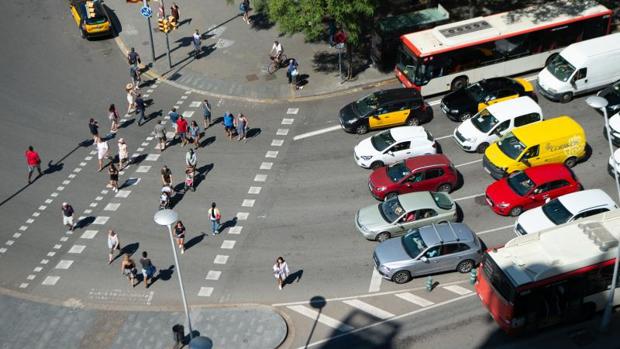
(163, 6)
(148, 21)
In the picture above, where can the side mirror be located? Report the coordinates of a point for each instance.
(424, 259)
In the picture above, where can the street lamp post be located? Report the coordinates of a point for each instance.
(168, 218)
(601, 103)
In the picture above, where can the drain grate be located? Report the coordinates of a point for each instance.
(251, 77)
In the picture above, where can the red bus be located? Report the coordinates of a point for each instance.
(561, 274)
(450, 56)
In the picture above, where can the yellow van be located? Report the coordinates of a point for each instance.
(557, 140)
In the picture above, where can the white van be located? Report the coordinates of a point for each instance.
(488, 125)
(581, 67)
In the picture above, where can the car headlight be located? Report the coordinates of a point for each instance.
(384, 268)
(381, 188)
(552, 90)
(503, 204)
(366, 157)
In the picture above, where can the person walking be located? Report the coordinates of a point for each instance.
(128, 268)
(174, 117)
(197, 41)
(242, 127)
(114, 118)
(131, 97)
(123, 154)
(140, 108)
(67, 216)
(191, 159)
(245, 9)
(93, 127)
(229, 124)
(102, 152)
(133, 58)
(179, 235)
(194, 134)
(160, 132)
(134, 74)
(292, 65)
(113, 172)
(148, 269)
(214, 217)
(34, 161)
(206, 113)
(113, 244)
(182, 130)
(166, 176)
(174, 11)
(280, 271)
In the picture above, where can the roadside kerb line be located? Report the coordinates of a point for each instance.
(375, 281)
(495, 229)
(469, 197)
(468, 163)
(317, 132)
(443, 137)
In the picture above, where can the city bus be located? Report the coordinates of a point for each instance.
(453, 55)
(561, 274)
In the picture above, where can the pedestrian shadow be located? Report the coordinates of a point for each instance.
(205, 51)
(136, 160)
(185, 21)
(152, 116)
(228, 224)
(194, 241)
(302, 80)
(51, 168)
(221, 24)
(164, 274)
(149, 82)
(218, 120)
(260, 21)
(84, 222)
(201, 174)
(207, 141)
(127, 122)
(130, 249)
(128, 183)
(108, 137)
(253, 132)
(294, 277)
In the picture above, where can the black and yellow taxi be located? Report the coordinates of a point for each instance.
(463, 103)
(385, 108)
(91, 17)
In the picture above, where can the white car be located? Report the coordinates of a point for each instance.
(394, 145)
(488, 125)
(564, 209)
(614, 125)
(610, 164)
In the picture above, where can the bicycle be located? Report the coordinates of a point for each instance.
(275, 65)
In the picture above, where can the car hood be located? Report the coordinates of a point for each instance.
(365, 147)
(614, 122)
(460, 100)
(380, 178)
(535, 220)
(468, 130)
(390, 251)
(499, 191)
(348, 114)
(370, 218)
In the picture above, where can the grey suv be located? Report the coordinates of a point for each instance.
(431, 249)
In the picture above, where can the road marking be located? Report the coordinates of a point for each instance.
(71, 175)
(282, 132)
(31, 277)
(93, 204)
(101, 220)
(99, 198)
(495, 229)
(144, 144)
(375, 281)
(42, 208)
(254, 190)
(220, 259)
(242, 216)
(77, 249)
(54, 194)
(469, 197)
(77, 169)
(57, 247)
(66, 181)
(412, 298)
(149, 138)
(468, 163)
(82, 163)
(195, 104)
(228, 244)
(248, 203)
(442, 137)
(44, 261)
(93, 152)
(292, 111)
(457, 289)
(146, 95)
(188, 113)
(89, 234)
(37, 269)
(287, 121)
(36, 214)
(277, 142)
(205, 292)
(272, 154)
(152, 157)
(29, 220)
(370, 309)
(266, 165)
(213, 275)
(143, 169)
(104, 191)
(170, 135)
(3, 250)
(260, 178)
(88, 158)
(48, 201)
(23, 285)
(235, 230)
(9, 242)
(50, 280)
(122, 193)
(185, 96)
(88, 211)
(51, 254)
(317, 132)
(139, 149)
(188, 92)
(23, 227)
(324, 319)
(64, 238)
(64, 264)
(112, 207)
(17, 235)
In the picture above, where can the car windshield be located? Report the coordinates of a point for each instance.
(442, 200)
(560, 68)
(484, 121)
(413, 243)
(96, 20)
(391, 210)
(556, 212)
(476, 91)
(511, 146)
(520, 183)
(397, 171)
(382, 140)
(366, 105)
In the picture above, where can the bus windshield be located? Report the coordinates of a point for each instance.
(408, 64)
(497, 278)
(511, 146)
(560, 68)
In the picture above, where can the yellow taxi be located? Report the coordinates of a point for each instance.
(91, 18)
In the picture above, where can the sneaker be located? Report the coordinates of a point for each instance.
(182, 251)
(280, 287)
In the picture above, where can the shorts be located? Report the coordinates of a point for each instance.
(148, 273)
(67, 220)
(113, 248)
(32, 167)
(128, 272)
(114, 178)
(229, 128)
(207, 115)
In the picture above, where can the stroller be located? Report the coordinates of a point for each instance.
(165, 197)
(189, 179)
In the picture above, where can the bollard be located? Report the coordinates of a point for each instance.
(473, 275)
(429, 283)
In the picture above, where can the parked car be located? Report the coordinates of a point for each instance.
(564, 209)
(610, 164)
(488, 125)
(91, 18)
(420, 173)
(394, 145)
(431, 249)
(612, 95)
(614, 128)
(385, 108)
(395, 216)
(524, 190)
(463, 103)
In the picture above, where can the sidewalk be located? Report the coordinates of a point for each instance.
(235, 57)
(27, 324)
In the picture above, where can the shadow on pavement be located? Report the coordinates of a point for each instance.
(381, 335)
(194, 241)
(228, 224)
(83, 223)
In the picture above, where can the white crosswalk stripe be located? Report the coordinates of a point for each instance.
(370, 309)
(412, 298)
(324, 319)
(457, 289)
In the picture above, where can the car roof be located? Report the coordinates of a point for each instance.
(408, 132)
(397, 94)
(546, 173)
(591, 198)
(513, 108)
(443, 233)
(427, 160)
(559, 127)
(417, 200)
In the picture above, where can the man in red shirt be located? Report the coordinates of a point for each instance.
(182, 129)
(34, 161)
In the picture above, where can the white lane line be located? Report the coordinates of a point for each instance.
(139, 149)
(468, 163)
(254, 190)
(9, 242)
(23, 285)
(99, 198)
(54, 194)
(29, 220)
(443, 137)
(82, 163)
(101, 220)
(228, 244)
(435, 102)
(195, 104)
(42, 208)
(243, 216)
(36, 214)
(89, 234)
(57, 246)
(152, 157)
(104, 191)
(77, 249)
(144, 144)
(31, 277)
(282, 132)
(37, 269)
(271, 154)
(236, 230)
(292, 110)
(71, 175)
(23, 228)
(93, 152)
(64, 238)
(77, 169)
(146, 95)
(324, 319)
(375, 281)
(88, 211)
(185, 97)
(17, 235)
(50, 280)
(122, 193)
(66, 182)
(213, 275)
(495, 229)
(260, 178)
(317, 132)
(370, 309)
(112, 207)
(3, 250)
(277, 142)
(469, 197)
(44, 261)
(188, 92)
(48, 201)
(143, 169)
(266, 165)
(287, 121)
(220, 259)
(64, 264)
(205, 291)
(188, 113)
(412, 298)
(248, 203)
(88, 158)
(457, 289)
(149, 138)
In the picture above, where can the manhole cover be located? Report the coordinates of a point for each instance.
(251, 77)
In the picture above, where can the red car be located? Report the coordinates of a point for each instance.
(421, 173)
(531, 188)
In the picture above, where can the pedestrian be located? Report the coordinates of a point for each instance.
(34, 161)
(206, 113)
(133, 58)
(295, 76)
(93, 127)
(114, 118)
(123, 154)
(166, 176)
(194, 134)
(128, 268)
(182, 130)
(244, 7)
(161, 12)
(140, 108)
(134, 74)
(179, 234)
(131, 97)
(160, 133)
(174, 117)
(191, 159)
(331, 31)
(174, 11)
(113, 244)
(280, 271)
(242, 127)
(113, 172)
(67, 216)
(102, 152)
(148, 269)
(196, 39)
(189, 180)
(229, 124)
(292, 65)
(214, 217)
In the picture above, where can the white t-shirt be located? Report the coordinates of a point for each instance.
(102, 149)
(277, 47)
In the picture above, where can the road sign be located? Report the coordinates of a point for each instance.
(146, 11)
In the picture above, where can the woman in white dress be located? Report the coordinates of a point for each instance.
(280, 271)
(102, 152)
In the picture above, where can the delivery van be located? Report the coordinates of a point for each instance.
(558, 140)
(580, 68)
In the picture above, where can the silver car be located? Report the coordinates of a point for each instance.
(431, 249)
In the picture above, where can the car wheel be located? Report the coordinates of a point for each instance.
(376, 165)
(446, 188)
(413, 121)
(383, 236)
(482, 147)
(361, 129)
(465, 266)
(458, 83)
(391, 195)
(571, 162)
(516, 211)
(567, 97)
(464, 116)
(400, 277)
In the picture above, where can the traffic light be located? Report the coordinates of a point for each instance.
(163, 25)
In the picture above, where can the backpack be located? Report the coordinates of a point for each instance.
(242, 7)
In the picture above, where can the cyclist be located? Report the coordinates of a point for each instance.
(277, 51)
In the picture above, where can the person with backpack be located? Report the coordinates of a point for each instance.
(133, 58)
(244, 7)
(214, 216)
